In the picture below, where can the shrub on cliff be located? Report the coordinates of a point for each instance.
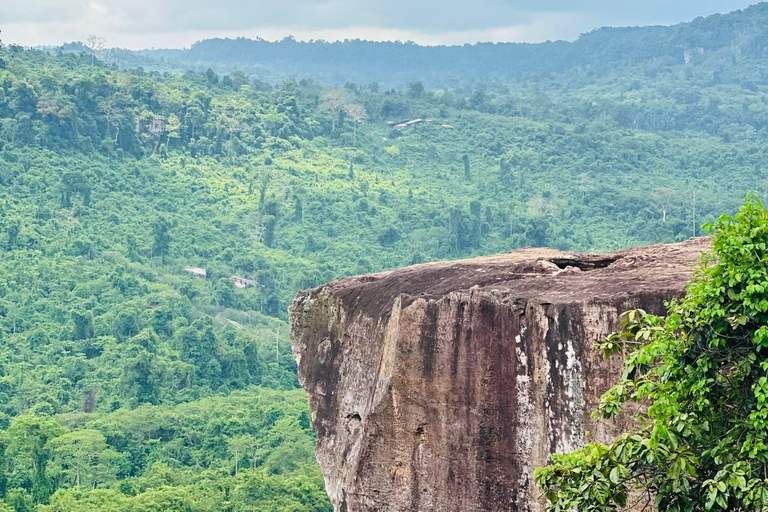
(701, 376)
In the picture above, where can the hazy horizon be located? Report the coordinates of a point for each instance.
(181, 23)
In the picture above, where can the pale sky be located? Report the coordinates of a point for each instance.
(139, 24)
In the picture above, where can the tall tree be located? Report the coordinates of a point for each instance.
(357, 113)
(112, 114)
(95, 44)
(415, 89)
(238, 447)
(465, 161)
(13, 234)
(28, 452)
(161, 238)
(664, 197)
(82, 457)
(334, 102)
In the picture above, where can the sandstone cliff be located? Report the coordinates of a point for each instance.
(443, 386)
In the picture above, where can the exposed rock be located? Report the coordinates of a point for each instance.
(689, 53)
(196, 272)
(443, 386)
(153, 125)
(406, 124)
(237, 325)
(241, 282)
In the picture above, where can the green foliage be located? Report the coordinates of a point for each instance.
(702, 374)
(254, 443)
(154, 227)
(384, 65)
(82, 457)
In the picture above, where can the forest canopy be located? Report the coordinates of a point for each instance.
(156, 221)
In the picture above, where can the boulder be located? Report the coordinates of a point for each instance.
(443, 386)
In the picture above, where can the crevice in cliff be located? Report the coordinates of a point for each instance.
(583, 265)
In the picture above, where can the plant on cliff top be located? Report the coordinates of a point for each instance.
(702, 374)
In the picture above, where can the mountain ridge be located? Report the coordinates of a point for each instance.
(395, 63)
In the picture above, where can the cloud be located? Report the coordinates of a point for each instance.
(40, 11)
(147, 23)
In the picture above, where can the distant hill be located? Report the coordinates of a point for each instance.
(154, 226)
(744, 33)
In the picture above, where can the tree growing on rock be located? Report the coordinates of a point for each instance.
(702, 373)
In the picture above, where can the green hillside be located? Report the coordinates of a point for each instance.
(742, 34)
(131, 381)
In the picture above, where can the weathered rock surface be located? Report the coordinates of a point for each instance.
(443, 386)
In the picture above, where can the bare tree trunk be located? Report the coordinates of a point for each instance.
(695, 192)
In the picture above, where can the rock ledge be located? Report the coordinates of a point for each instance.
(442, 386)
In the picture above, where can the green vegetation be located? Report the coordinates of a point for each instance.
(155, 225)
(701, 372)
(127, 383)
(739, 36)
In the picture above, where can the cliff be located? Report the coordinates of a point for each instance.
(443, 386)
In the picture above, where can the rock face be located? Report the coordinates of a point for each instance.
(443, 386)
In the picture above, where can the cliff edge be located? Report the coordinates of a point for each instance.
(443, 386)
